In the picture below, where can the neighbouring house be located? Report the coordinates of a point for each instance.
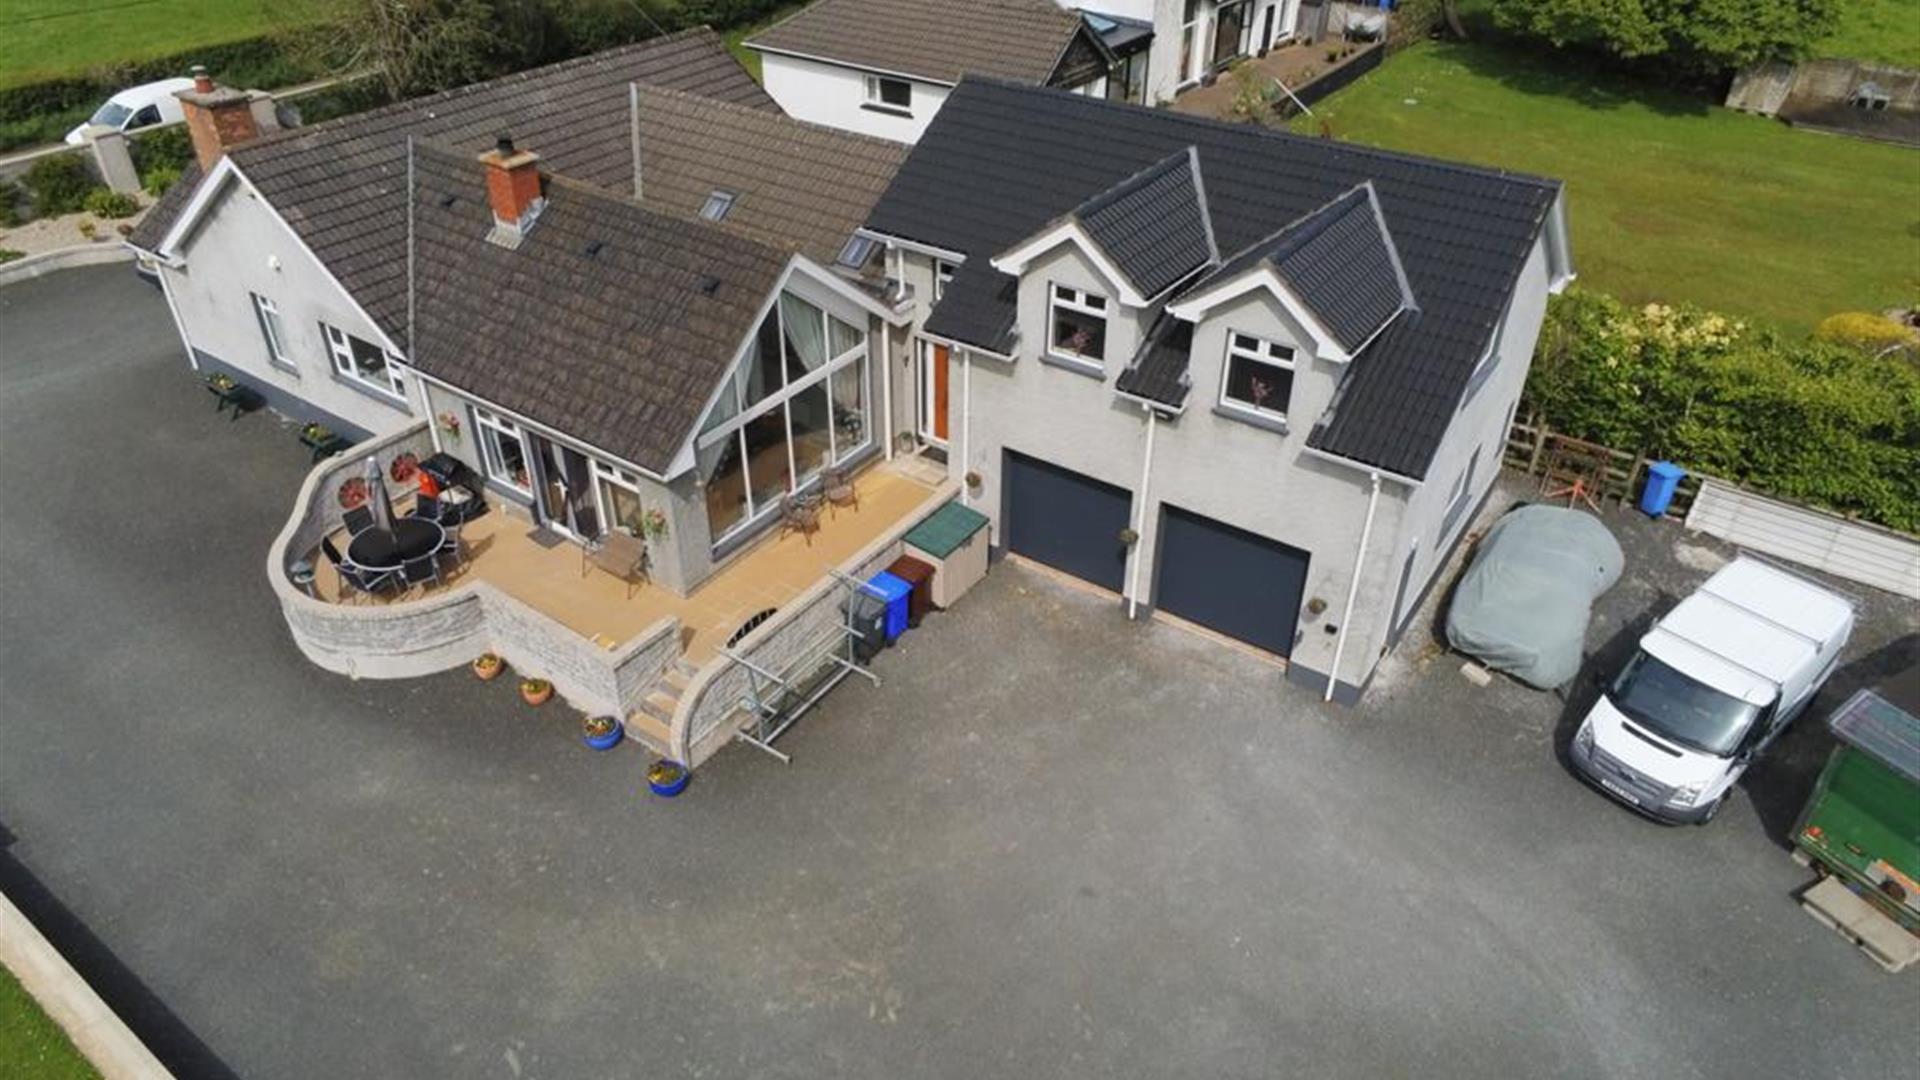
(1253, 381)
(1185, 40)
(882, 67)
(282, 256)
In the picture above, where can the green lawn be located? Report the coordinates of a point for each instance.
(32, 1047)
(52, 38)
(1670, 199)
(747, 57)
(1883, 31)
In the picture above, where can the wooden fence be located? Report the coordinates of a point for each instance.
(1560, 461)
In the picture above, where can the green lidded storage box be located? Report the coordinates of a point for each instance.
(953, 540)
(1862, 823)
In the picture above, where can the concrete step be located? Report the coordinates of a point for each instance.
(683, 666)
(675, 680)
(660, 705)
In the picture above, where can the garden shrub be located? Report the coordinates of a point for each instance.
(59, 184)
(7, 255)
(1865, 331)
(157, 180)
(1809, 421)
(9, 204)
(107, 203)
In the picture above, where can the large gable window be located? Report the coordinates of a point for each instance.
(1079, 325)
(889, 95)
(1259, 376)
(364, 363)
(797, 404)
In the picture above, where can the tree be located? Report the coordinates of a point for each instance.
(1707, 36)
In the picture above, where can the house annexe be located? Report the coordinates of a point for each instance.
(1354, 325)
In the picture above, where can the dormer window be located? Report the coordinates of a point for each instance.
(717, 205)
(1259, 376)
(890, 95)
(1079, 321)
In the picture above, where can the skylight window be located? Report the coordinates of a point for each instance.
(718, 205)
(858, 250)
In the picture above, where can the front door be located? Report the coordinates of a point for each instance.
(934, 377)
(566, 490)
(1266, 31)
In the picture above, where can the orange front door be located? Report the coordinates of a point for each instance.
(937, 359)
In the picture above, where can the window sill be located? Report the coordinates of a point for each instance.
(508, 491)
(1091, 369)
(887, 110)
(285, 367)
(384, 397)
(1276, 424)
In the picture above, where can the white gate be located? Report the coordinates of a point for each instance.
(1858, 552)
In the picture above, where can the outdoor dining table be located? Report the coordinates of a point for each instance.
(387, 549)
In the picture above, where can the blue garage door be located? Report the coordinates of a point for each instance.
(1068, 521)
(1230, 580)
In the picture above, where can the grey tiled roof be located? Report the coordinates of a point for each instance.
(342, 184)
(1154, 225)
(611, 322)
(1340, 260)
(803, 186)
(938, 40)
(1159, 372)
(1000, 160)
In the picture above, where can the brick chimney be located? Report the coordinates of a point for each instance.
(217, 117)
(515, 190)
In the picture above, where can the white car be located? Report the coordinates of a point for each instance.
(134, 108)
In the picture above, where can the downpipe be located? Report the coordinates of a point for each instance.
(1353, 586)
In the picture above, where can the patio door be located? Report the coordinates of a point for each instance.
(1266, 30)
(934, 379)
(567, 500)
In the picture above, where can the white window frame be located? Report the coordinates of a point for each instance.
(604, 474)
(340, 347)
(1462, 491)
(876, 95)
(492, 424)
(734, 426)
(1484, 367)
(943, 272)
(1082, 302)
(1264, 352)
(274, 329)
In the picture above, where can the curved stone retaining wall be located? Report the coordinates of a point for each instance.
(449, 628)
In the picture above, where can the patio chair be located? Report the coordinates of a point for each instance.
(625, 557)
(837, 484)
(332, 553)
(358, 520)
(800, 514)
(418, 572)
(427, 508)
(361, 581)
(450, 550)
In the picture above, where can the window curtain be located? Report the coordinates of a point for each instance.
(806, 336)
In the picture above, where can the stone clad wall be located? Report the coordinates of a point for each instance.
(451, 627)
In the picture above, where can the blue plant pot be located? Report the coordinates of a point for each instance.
(605, 742)
(668, 791)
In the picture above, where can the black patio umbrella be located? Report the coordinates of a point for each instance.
(378, 500)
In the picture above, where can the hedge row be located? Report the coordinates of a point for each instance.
(1810, 421)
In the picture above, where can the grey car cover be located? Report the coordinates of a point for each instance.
(1523, 606)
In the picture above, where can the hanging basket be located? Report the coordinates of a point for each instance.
(353, 493)
(403, 467)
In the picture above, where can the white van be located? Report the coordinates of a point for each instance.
(134, 108)
(1712, 685)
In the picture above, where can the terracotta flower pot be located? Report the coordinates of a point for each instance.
(488, 667)
(535, 691)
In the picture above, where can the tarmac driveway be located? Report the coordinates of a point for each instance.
(1050, 844)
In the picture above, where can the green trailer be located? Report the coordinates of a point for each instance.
(1861, 828)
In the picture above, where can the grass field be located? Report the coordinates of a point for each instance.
(52, 38)
(32, 1047)
(1670, 199)
(1884, 31)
